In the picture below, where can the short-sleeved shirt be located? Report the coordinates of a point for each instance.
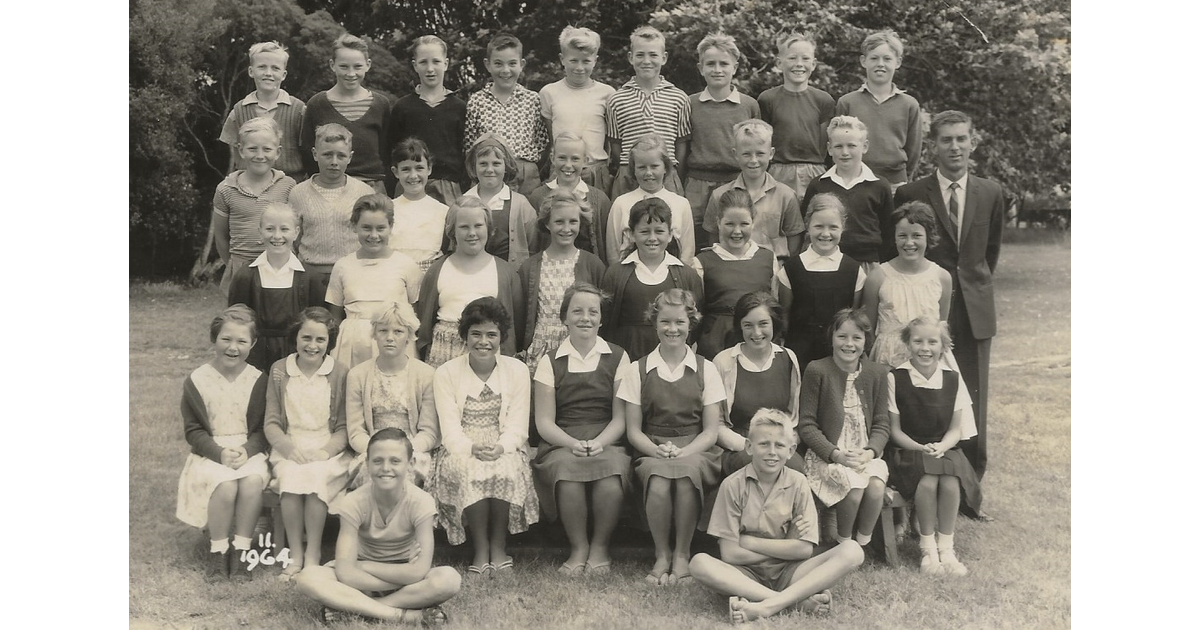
(776, 213)
(391, 538)
(518, 120)
(580, 111)
(787, 513)
(632, 113)
(630, 389)
(244, 210)
(576, 363)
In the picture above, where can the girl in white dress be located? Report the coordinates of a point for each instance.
(423, 217)
(305, 424)
(223, 478)
(364, 282)
(908, 286)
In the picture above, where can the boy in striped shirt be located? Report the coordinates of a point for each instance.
(647, 104)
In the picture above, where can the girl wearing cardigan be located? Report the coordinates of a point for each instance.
(222, 481)
(467, 274)
(306, 426)
(547, 275)
(394, 390)
(844, 423)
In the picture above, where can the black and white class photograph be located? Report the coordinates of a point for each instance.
(593, 314)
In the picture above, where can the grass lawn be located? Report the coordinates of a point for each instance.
(1020, 565)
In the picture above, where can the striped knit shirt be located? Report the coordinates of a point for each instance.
(288, 112)
(352, 110)
(632, 113)
(325, 231)
(244, 211)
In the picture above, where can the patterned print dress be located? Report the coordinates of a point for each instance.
(464, 481)
(832, 482)
(549, 331)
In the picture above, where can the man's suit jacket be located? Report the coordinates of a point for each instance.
(970, 260)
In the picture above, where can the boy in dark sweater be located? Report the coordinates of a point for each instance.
(868, 199)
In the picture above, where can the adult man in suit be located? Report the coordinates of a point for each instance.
(970, 216)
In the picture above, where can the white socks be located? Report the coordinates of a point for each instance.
(241, 543)
(862, 539)
(218, 546)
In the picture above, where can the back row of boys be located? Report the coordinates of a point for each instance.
(703, 151)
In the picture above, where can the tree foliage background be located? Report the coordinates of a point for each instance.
(1004, 62)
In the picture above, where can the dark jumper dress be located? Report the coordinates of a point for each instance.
(925, 416)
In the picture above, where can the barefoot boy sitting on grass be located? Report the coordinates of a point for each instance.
(766, 521)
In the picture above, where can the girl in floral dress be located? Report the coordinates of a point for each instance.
(547, 275)
(482, 478)
(845, 425)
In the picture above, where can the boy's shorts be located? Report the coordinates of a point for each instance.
(775, 575)
(527, 178)
(697, 192)
(624, 182)
(596, 175)
(231, 268)
(443, 190)
(796, 175)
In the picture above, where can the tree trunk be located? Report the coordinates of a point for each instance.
(204, 271)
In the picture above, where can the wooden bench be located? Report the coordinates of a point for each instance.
(887, 522)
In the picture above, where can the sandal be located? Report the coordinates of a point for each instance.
(478, 573)
(598, 569)
(577, 569)
(434, 616)
(507, 565)
(657, 578)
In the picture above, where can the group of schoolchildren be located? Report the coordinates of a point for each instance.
(720, 342)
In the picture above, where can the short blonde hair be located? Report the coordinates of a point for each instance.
(265, 47)
(721, 42)
(466, 202)
(647, 33)
(754, 128)
(786, 42)
(397, 313)
(846, 122)
(276, 206)
(351, 42)
(675, 297)
(333, 132)
(767, 417)
(261, 124)
(579, 38)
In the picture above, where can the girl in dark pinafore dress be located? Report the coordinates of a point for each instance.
(823, 281)
(673, 413)
(582, 425)
(931, 413)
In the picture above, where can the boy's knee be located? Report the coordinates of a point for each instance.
(701, 563)
(308, 579)
(445, 581)
(850, 553)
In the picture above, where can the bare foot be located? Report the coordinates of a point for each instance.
(750, 610)
(737, 613)
(576, 560)
(817, 605)
(409, 617)
(598, 558)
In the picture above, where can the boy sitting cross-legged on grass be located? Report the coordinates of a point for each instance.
(766, 521)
